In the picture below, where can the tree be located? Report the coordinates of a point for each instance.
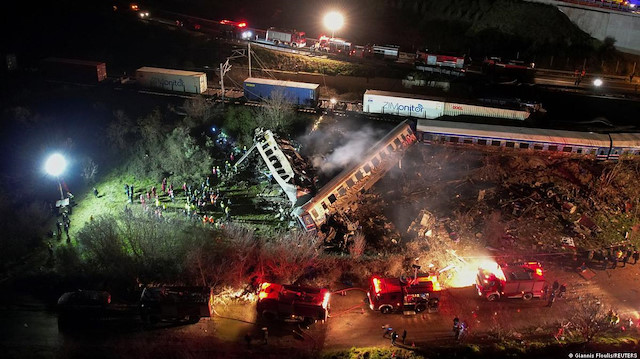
(589, 317)
(276, 114)
(198, 111)
(183, 158)
(241, 124)
(89, 170)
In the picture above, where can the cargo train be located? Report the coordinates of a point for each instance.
(401, 104)
(172, 80)
(72, 70)
(296, 93)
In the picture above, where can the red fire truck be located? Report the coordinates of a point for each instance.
(293, 303)
(291, 38)
(333, 45)
(424, 58)
(415, 294)
(517, 280)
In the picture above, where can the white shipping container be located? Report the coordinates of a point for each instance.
(396, 104)
(172, 80)
(457, 109)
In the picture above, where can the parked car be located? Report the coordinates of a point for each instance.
(82, 306)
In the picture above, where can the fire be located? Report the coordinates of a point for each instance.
(465, 273)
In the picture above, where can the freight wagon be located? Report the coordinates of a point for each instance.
(297, 93)
(72, 70)
(172, 80)
(400, 104)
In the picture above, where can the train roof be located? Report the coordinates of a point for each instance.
(73, 61)
(282, 83)
(514, 133)
(510, 106)
(629, 140)
(170, 71)
(328, 188)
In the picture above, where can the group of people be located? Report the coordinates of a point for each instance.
(610, 257)
(393, 335)
(63, 224)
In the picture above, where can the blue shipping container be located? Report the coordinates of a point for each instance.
(297, 93)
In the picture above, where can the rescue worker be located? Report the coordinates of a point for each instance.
(556, 285)
(404, 335)
(59, 229)
(552, 298)
(636, 256)
(247, 339)
(625, 259)
(456, 327)
(265, 335)
(562, 290)
(95, 192)
(394, 337)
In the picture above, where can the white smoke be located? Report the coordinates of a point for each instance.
(352, 151)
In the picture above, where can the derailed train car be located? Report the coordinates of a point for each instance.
(601, 146)
(336, 193)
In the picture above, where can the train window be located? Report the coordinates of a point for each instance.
(593, 152)
(314, 213)
(359, 175)
(367, 168)
(538, 147)
(397, 142)
(524, 146)
(510, 144)
(403, 138)
(579, 150)
(375, 161)
(332, 198)
(454, 139)
(390, 148)
(383, 154)
(350, 183)
(468, 141)
(567, 149)
(342, 191)
(553, 148)
(482, 142)
(324, 205)
(495, 143)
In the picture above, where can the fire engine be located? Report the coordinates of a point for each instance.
(291, 38)
(517, 280)
(293, 303)
(424, 58)
(415, 294)
(333, 45)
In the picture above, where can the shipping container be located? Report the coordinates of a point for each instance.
(297, 93)
(71, 70)
(401, 104)
(458, 109)
(172, 80)
(386, 51)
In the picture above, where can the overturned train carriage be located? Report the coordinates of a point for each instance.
(338, 193)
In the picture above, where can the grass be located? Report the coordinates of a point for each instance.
(370, 353)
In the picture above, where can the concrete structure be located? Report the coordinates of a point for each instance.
(601, 22)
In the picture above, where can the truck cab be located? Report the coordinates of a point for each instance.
(293, 303)
(517, 280)
(416, 294)
(175, 304)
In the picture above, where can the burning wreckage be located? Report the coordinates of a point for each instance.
(333, 203)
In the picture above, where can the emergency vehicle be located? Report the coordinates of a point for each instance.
(415, 294)
(293, 303)
(517, 280)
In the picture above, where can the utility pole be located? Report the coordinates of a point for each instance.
(249, 54)
(224, 68)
